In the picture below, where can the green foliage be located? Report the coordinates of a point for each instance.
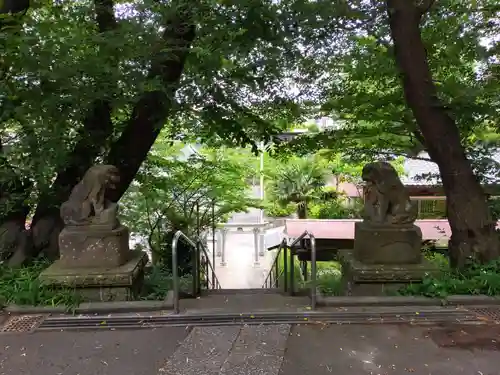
(329, 275)
(337, 208)
(473, 280)
(302, 181)
(298, 181)
(63, 65)
(297, 278)
(158, 282)
(494, 204)
(366, 99)
(273, 209)
(21, 286)
(190, 193)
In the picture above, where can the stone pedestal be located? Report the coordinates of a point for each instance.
(387, 244)
(94, 247)
(120, 283)
(384, 259)
(362, 279)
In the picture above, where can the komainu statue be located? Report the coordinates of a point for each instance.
(87, 205)
(386, 199)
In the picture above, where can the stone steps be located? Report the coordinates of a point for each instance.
(245, 301)
(230, 350)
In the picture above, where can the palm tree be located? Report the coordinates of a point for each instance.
(299, 181)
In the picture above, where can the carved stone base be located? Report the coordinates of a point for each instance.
(387, 244)
(121, 283)
(361, 279)
(91, 247)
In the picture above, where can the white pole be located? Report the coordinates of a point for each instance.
(261, 218)
(256, 246)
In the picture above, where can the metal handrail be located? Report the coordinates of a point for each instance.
(215, 280)
(175, 264)
(269, 282)
(313, 281)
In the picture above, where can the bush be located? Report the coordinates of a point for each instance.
(333, 209)
(158, 282)
(473, 280)
(21, 286)
(276, 210)
(494, 205)
(329, 278)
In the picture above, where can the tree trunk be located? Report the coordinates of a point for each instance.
(473, 230)
(153, 108)
(15, 240)
(141, 130)
(14, 6)
(92, 138)
(302, 210)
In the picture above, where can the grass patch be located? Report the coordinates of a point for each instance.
(158, 281)
(298, 280)
(21, 286)
(475, 279)
(329, 275)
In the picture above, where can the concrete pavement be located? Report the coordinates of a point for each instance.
(272, 350)
(386, 349)
(139, 352)
(240, 270)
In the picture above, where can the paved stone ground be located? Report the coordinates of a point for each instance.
(260, 350)
(139, 352)
(245, 303)
(3, 317)
(240, 271)
(385, 349)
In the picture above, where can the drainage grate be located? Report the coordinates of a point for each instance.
(491, 314)
(23, 323)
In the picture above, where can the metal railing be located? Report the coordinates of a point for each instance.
(275, 273)
(202, 268)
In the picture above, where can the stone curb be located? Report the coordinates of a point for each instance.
(456, 300)
(97, 307)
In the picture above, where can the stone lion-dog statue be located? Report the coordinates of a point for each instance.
(87, 205)
(386, 199)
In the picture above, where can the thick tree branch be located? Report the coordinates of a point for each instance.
(92, 137)
(473, 230)
(153, 107)
(14, 7)
(425, 5)
(97, 127)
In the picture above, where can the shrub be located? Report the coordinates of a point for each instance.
(21, 286)
(473, 280)
(333, 209)
(329, 278)
(276, 210)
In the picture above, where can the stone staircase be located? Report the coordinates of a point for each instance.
(230, 350)
(244, 301)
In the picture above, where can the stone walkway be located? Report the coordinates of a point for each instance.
(240, 270)
(261, 350)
